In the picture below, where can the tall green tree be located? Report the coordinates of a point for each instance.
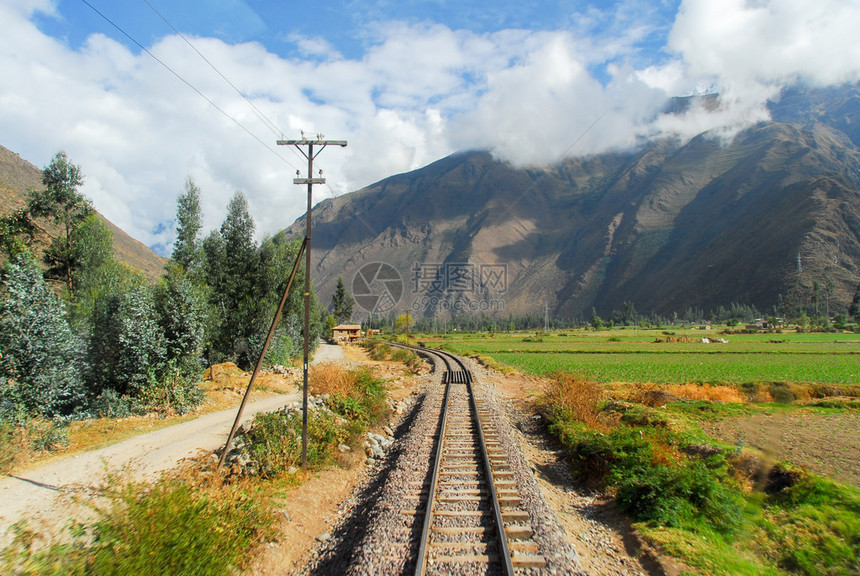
(61, 203)
(854, 309)
(277, 257)
(127, 350)
(97, 271)
(41, 357)
(181, 314)
(187, 249)
(342, 301)
(233, 272)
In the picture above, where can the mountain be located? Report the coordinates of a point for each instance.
(17, 176)
(773, 214)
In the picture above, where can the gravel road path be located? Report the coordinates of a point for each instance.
(38, 493)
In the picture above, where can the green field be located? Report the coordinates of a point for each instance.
(630, 355)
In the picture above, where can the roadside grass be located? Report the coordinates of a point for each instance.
(190, 523)
(378, 350)
(200, 520)
(42, 440)
(355, 401)
(720, 509)
(21, 442)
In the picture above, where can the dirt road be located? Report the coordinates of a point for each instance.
(41, 494)
(38, 492)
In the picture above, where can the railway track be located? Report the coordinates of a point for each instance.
(471, 515)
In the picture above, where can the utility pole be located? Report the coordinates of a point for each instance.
(321, 142)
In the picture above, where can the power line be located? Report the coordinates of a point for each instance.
(269, 124)
(187, 83)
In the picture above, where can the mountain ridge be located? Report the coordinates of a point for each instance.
(17, 176)
(669, 226)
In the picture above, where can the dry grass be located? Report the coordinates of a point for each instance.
(658, 395)
(706, 392)
(330, 378)
(226, 375)
(580, 397)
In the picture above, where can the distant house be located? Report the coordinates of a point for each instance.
(346, 333)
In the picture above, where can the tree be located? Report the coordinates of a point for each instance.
(596, 321)
(187, 249)
(127, 349)
(98, 273)
(41, 356)
(342, 301)
(16, 232)
(181, 315)
(404, 322)
(816, 296)
(233, 272)
(61, 202)
(854, 309)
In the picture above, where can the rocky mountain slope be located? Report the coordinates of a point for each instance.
(17, 176)
(775, 213)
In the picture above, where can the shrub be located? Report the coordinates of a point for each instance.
(109, 404)
(329, 378)
(813, 527)
(41, 357)
(580, 398)
(679, 496)
(10, 446)
(47, 435)
(275, 440)
(173, 527)
(381, 351)
(640, 459)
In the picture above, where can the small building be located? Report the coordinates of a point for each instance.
(346, 333)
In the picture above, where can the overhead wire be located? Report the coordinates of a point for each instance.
(265, 119)
(187, 83)
(259, 113)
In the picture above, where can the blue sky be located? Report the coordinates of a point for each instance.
(345, 24)
(405, 82)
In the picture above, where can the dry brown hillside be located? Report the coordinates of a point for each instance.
(17, 176)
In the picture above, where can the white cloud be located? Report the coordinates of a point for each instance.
(418, 93)
(772, 41)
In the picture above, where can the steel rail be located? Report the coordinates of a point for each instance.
(421, 563)
(504, 549)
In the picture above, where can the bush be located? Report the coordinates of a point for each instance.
(10, 447)
(275, 439)
(678, 496)
(813, 527)
(356, 400)
(109, 404)
(47, 435)
(173, 527)
(578, 397)
(639, 457)
(40, 365)
(381, 351)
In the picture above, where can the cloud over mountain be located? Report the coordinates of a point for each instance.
(417, 91)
